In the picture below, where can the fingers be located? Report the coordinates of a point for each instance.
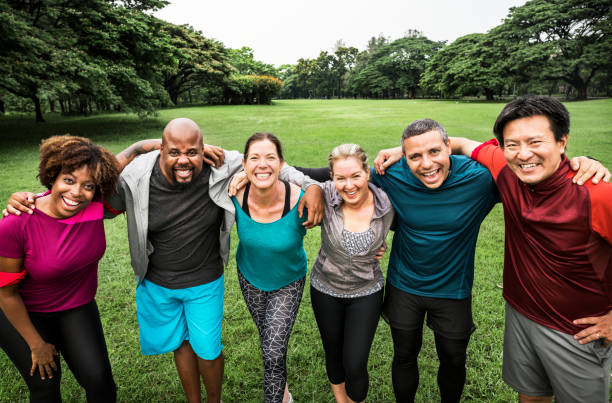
(601, 329)
(209, 161)
(21, 202)
(301, 205)
(43, 369)
(314, 218)
(588, 335)
(387, 164)
(220, 157)
(381, 251)
(379, 164)
(238, 181)
(313, 201)
(587, 169)
(215, 155)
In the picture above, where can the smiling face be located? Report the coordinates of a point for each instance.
(428, 158)
(262, 164)
(351, 180)
(181, 156)
(71, 192)
(531, 150)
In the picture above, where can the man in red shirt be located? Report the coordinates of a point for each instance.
(558, 257)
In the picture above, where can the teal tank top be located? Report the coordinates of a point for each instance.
(271, 255)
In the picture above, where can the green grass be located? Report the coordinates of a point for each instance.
(308, 130)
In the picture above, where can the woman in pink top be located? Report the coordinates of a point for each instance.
(48, 273)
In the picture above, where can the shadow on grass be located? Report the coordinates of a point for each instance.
(24, 131)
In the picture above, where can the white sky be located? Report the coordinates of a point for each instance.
(283, 31)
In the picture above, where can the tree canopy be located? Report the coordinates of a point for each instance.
(114, 55)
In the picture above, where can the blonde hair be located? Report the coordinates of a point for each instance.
(347, 150)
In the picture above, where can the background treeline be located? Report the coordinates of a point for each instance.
(80, 57)
(543, 47)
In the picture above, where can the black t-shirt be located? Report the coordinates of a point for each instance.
(184, 226)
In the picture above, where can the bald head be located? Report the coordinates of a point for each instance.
(181, 128)
(182, 150)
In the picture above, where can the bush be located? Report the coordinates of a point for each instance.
(251, 89)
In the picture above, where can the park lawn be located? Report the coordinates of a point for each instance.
(308, 129)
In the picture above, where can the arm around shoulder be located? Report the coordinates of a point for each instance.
(463, 146)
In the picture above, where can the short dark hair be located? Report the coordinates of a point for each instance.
(534, 105)
(423, 126)
(259, 136)
(66, 154)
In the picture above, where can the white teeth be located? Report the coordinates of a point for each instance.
(527, 166)
(430, 173)
(262, 176)
(70, 202)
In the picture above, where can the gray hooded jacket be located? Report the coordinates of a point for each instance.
(132, 196)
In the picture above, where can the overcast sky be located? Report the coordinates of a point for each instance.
(283, 31)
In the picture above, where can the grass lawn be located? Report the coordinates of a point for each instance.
(308, 130)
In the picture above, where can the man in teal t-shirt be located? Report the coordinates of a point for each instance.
(440, 201)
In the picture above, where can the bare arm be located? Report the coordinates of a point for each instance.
(15, 311)
(463, 146)
(141, 147)
(386, 158)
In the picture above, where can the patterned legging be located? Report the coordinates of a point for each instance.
(274, 313)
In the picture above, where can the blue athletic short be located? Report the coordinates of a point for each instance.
(167, 317)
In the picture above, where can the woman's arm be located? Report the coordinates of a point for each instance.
(16, 313)
(318, 174)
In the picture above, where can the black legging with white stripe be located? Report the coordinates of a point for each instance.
(274, 313)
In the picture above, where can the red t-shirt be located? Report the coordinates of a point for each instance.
(558, 249)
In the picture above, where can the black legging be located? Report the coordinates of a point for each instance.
(347, 327)
(274, 314)
(405, 370)
(77, 336)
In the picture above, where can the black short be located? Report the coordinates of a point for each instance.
(451, 318)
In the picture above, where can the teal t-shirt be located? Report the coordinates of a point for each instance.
(435, 239)
(271, 255)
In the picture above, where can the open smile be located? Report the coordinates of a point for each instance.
(431, 175)
(69, 203)
(183, 172)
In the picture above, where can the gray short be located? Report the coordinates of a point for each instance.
(539, 361)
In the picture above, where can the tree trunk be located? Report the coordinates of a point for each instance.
(2, 110)
(582, 91)
(39, 115)
(51, 105)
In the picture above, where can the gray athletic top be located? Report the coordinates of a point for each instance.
(355, 243)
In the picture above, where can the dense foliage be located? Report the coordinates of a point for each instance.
(104, 55)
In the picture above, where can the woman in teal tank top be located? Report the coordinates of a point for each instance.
(270, 257)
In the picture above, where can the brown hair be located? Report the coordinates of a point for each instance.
(259, 136)
(65, 154)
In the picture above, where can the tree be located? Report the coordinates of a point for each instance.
(566, 40)
(394, 69)
(103, 53)
(243, 60)
(196, 61)
(343, 64)
(468, 66)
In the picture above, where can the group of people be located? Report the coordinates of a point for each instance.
(180, 211)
